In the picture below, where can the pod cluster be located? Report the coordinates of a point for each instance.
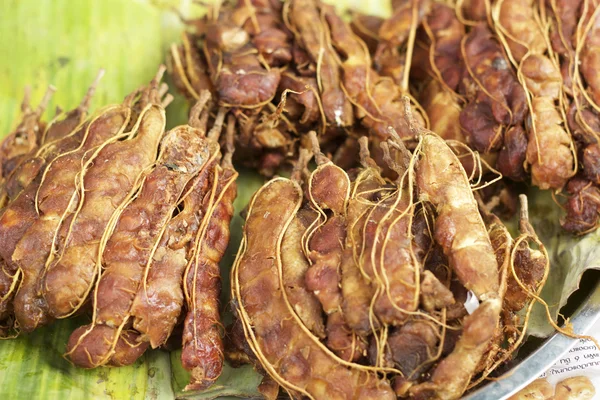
(352, 285)
(114, 216)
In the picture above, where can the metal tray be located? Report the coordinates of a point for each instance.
(539, 361)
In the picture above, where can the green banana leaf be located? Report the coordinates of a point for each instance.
(65, 43)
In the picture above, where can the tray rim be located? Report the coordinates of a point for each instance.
(544, 357)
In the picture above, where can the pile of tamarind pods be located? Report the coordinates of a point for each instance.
(353, 285)
(380, 273)
(112, 215)
(514, 80)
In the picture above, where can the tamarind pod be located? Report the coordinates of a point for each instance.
(312, 32)
(52, 144)
(441, 57)
(459, 228)
(562, 31)
(357, 291)
(187, 66)
(397, 269)
(128, 349)
(583, 121)
(376, 98)
(7, 284)
(443, 111)
(325, 246)
(591, 162)
(452, 374)
(106, 185)
(134, 238)
(582, 207)
(395, 30)
(55, 198)
(157, 304)
(541, 76)
(202, 353)
(552, 167)
(530, 268)
(329, 190)
(512, 155)
(307, 102)
(268, 31)
(473, 10)
(294, 359)
(495, 95)
(590, 55)
(236, 72)
(366, 27)
(294, 269)
(323, 279)
(523, 34)
(412, 348)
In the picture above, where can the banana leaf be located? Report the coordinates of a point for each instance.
(65, 43)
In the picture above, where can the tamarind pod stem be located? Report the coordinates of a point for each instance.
(26, 136)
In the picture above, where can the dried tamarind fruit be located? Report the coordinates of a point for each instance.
(105, 187)
(461, 232)
(202, 352)
(294, 358)
(132, 243)
(329, 191)
(157, 305)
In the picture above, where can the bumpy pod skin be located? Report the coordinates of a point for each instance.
(548, 150)
(443, 111)
(394, 32)
(377, 99)
(22, 188)
(157, 305)
(496, 98)
(63, 125)
(523, 33)
(311, 30)
(460, 230)
(202, 352)
(294, 267)
(239, 78)
(357, 291)
(56, 197)
(106, 185)
(583, 206)
(289, 353)
(397, 267)
(134, 239)
(329, 191)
